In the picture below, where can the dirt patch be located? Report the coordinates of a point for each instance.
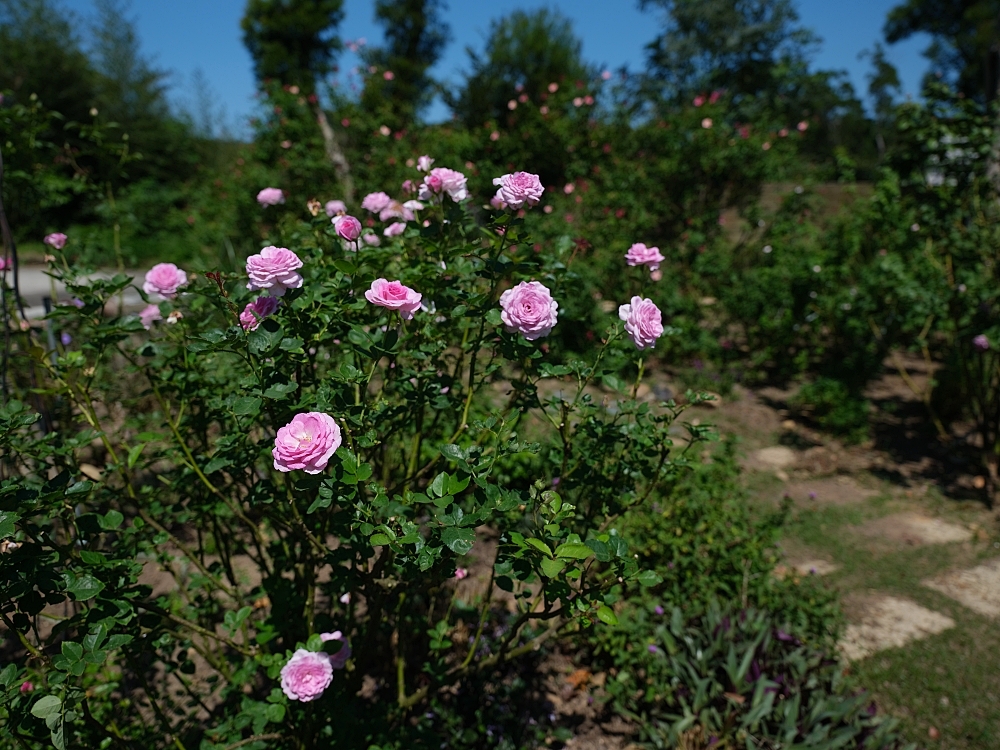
(915, 528)
(977, 588)
(890, 622)
(838, 490)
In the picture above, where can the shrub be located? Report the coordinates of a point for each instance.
(834, 408)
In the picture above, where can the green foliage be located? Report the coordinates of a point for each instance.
(729, 677)
(834, 408)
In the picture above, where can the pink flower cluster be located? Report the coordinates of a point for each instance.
(163, 280)
(394, 295)
(306, 443)
(440, 181)
(529, 309)
(519, 189)
(274, 270)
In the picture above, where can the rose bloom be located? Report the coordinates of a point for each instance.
(270, 197)
(149, 315)
(498, 204)
(519, 189)
(164, 279)
(306, 443)
(424, 163)
(256, 311)
(347, 227)
(395, 229)
(339, 659)
(306, 675)
(375, 202)
(274, 270)
(461, 573)
(394, 296)
(640, 255)
(397, 210)
(371, 239)
(981, 342)
(333, 208)
(643, 322)
(443, 180)
(56, 240)
(529, 309)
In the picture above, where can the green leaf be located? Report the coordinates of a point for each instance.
(649, 578)
(134, 453)
(83, 588)
(320, 502)
(276, 713)
(245, 405)
(552, 568)
(280, 390)
(540, 545)
(453, 452)
(315, 643)
(7, 521)
(439, 486)
(72, 651)
(345, 266)
(601, 551)
(219, 462)
(574, 550)
(493, 317)
(379, 540)
(459, 541)
(364, 472)
(605, 615)
(46, 706)
(457, 484)
(110, 520)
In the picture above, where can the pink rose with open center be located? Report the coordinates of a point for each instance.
(643, 322)
(519, 189)
(56, 240)
(270, 196)
(442, 180)
(529, 309)
(306, 443)
(274, 270)
(394, 296)
(164, 279)
(306, 675)
(375, 202)
(149, 315)
(256, 311)
(347, 227)
(339, 659)
(334, 208)
(640, 255)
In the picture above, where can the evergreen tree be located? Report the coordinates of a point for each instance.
(415, 36)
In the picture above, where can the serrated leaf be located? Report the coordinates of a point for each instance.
(453, 452)
(574, 550)
(46, 706)
(379, 540)
(649, 578)
(245, 405)
(7, 521)
(540, 545)
(439, 486)
(459, 541)
(84, 587)
(606, 615)
(552, 568)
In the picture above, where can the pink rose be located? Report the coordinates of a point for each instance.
(339, 659)
(375, 202)
(443, 180)
(307, 442)
(56, 240)
(26, 687)
(397, 210)
(5, 264)
(498, 204)
(408, 186)
(306, 675)
(371, 239)
(529, 310)
(274, 270)
(164, 279)
(424, 163)
(333, 208)
(461, 573)
(643, 322)
(519, 189)
(640, 255)
(347, 227)
(256, 311)
(394, 296)
(270, 197)
(149, 315)
(699, 100)
(395, 229)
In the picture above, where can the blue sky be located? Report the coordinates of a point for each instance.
(183, 36)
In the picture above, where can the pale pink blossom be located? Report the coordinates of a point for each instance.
(706, 123)
(606, 75)
(306, 675)
(442, 180)
(495, 135)
(643, 322)
(388, 75)
(802, 126)
(56, 240)
(408, 186)
(306, 443)
(783, 132)
(519, 189)
(256, 311)
(164, 279)
(461, 573)
(714, 97)
(339, 659)
(512, 104)
(270, 196)
(498, 204)
(149, 315)
(371, 239)
(395, 229)
(334, 208)
(5, 264)
(345, 598)
(397, 210)
(424, 163)
(174, 316)
(699, 100)
(529, 309)
(981, 342)
(274, 270)
(375, 202)
(568, 188)
(394, 295)
(640, 255)
(553, 88)
(347, 227)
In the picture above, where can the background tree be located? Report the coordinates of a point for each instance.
(883, 88)
(965, 36)
(295, 43)
(415, 37)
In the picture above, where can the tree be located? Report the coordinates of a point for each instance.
(295, 43)
(964, 45)
(415, 36)
(742, 46)
(526, 50)
(883, 88)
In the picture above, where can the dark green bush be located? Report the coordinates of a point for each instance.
(834, 408)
